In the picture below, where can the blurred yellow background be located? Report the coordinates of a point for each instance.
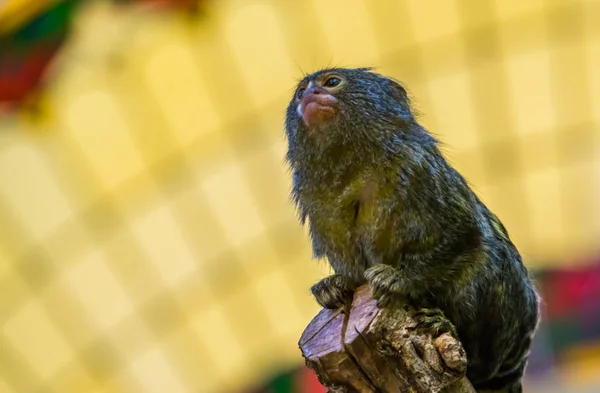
(147, 241)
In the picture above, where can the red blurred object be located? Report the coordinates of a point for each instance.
(21, 74)
(565, 290)
(26, 52)
(307, 382)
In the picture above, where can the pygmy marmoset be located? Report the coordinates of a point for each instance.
(386, 208)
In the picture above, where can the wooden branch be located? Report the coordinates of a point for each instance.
(378, 350)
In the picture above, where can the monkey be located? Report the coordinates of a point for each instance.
(387, 209)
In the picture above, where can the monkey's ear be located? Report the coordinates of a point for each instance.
(398, 91)
(401, 96)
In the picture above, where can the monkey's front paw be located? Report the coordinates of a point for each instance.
(433, 321)
(386, 283)
(334, 291)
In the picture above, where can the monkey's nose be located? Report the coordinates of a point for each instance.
(317, 105)
(315, 90)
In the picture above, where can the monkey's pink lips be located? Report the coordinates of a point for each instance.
(316, 108)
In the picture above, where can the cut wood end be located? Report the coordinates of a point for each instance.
(373, 350)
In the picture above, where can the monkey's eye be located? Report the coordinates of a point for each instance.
(300, 93)
(332, 82)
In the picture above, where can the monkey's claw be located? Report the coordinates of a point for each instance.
(386, 284)
(334, 291)
(433, 321)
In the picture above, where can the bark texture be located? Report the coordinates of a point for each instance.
(368, 349)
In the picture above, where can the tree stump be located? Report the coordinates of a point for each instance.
(378, 350)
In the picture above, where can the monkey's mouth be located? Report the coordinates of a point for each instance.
(316, 108)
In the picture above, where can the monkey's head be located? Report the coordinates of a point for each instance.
(341, 106)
